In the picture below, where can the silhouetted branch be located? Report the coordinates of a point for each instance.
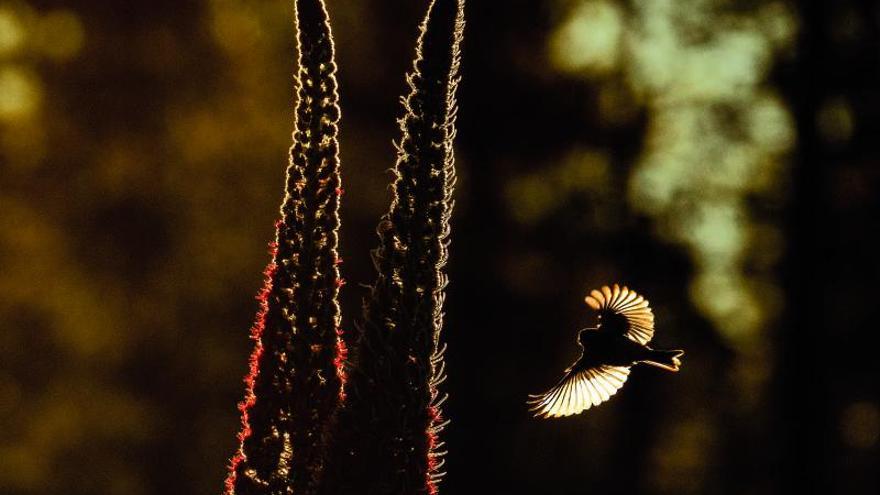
(296, 381)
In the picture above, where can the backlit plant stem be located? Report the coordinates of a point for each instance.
(388, 436)
(296, 379)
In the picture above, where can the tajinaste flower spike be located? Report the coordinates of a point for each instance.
(296, 379)
(387, 441)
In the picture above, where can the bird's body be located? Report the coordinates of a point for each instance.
(605, 348)
(620, 341)
(600, 347)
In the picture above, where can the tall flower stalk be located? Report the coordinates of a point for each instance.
(296, 379)
(387, 441)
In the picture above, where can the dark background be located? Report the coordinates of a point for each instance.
(719, 157)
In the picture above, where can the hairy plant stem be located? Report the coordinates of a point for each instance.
(296, 378)
(387, 440)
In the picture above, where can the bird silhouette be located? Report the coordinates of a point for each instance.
(608, 351)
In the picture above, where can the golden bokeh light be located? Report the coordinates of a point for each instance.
(59, 35)
(12, 32)
(235, 27)
(20, 93)
(835, 121)
(769, 124)
(715, 135)
(589, 39)
(682, 469)
(715, 131)
(778, 24)
(531, 197)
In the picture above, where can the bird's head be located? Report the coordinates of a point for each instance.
(584, 334)
(612, 322)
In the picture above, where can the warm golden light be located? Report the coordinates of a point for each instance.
(580, 391)
(60, 35)
(627, 303)
(589, 40)
(835, 121)
(532, 197)
(19, 93)
(235, 28)
(12, 33)
(716, 134)
(625, 327)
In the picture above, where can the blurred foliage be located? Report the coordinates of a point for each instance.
(711, 171)
(716, 134)
(657, 143)
(716, 141)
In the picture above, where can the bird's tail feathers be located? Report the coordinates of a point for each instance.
(668, 360)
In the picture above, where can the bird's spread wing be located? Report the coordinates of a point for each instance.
(626, 303)
(578, 391)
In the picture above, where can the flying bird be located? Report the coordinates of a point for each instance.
(608, 351)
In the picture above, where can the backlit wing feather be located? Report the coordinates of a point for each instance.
(630, 305)
(578, 391)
